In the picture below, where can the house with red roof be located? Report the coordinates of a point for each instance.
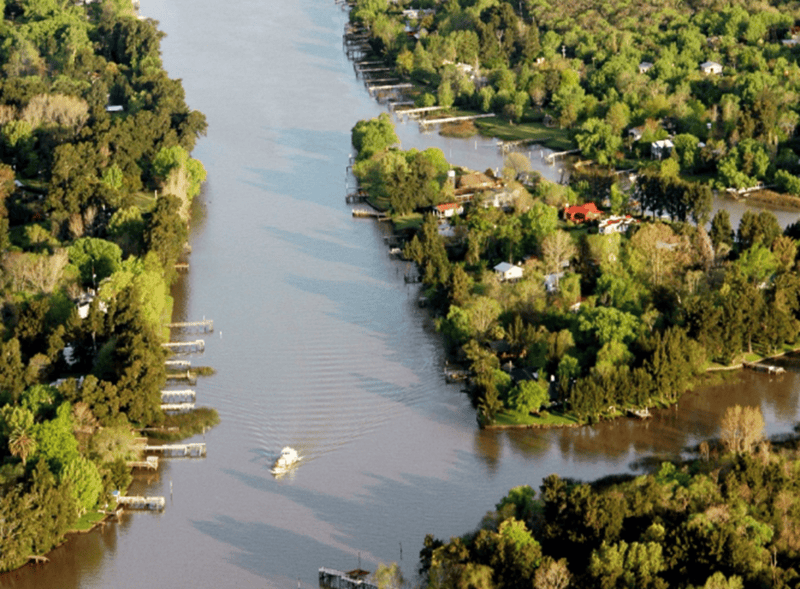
(582, 213)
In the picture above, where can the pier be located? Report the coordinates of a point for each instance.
(194, 449)
(178, 407)
(204, 325)
(189, 346)
(178, 395)
(386, 87)
(182, 266)
(151, 463)
(138, 502)
(552, 157)
(425, 123)
(380, 216)
(768, 368)
(333, 579)
(178, 363)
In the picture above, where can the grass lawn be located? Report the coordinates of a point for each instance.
(410, 221)
(545, 419)
(88, 521)
(556, 139)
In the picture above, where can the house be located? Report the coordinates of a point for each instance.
(115, 108)
(551, 282)
(508, 272)
(635, 133)
(711, 67)
(447, 210)
(582, 213)
(645, 67)
(499, 199)
(616, 224)
(661, 149)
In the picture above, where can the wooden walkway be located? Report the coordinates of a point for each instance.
(189, 346)
(183, 394)
(193, 449)
(768, 368)
(139, 502)
(385, 87)
(182, 266)
(178, 407)
(425, 123)
(204, 325)
(552, 157)
(333, 579)
(180, 363)
(370, 214)
(151, 463)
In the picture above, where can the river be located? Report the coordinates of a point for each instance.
(319, 344)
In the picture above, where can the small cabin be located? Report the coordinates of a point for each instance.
(508, 272)
(661, 149)
(447, 210)
(645, 67)
(711, 68)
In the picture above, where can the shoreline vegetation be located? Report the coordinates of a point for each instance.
(96, 185)
(568, 304)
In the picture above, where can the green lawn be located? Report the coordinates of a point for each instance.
(534, 132)
(545, 419)
(88, 521)
(410, 221)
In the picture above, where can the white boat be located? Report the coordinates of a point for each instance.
(287, 458)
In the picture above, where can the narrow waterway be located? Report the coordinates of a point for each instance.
(319, 345)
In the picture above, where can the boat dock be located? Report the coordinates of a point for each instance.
(204, 325)
(178, 363)
(194, 449)
(333, 579)
(552, 156)
(138, 502)
(178, 396)
(151, 463)
(425, 123)
(768, 368)
(178, 407)
(367, 213)
(197, 345)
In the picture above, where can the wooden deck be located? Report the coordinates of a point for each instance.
(194, 449)
(178, 394)
(187, 346)
(139, 502)
(204, 325)
(177, 407)
(151, 463)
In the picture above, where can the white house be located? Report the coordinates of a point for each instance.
(645, 67)
(661, 149)
(616, 224)
(115, 108)
(508, 272)
(711, 67)
(447, 210)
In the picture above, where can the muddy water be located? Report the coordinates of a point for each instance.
(319, 345)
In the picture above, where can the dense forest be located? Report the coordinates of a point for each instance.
(95, 186)
(720, 78)
(728, 520)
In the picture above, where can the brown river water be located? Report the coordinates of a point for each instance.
(319, 344)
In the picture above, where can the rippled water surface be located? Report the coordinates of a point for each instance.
(319, 344)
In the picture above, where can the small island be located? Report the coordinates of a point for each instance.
(96, 184)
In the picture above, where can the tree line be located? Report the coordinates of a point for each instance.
(96, 181)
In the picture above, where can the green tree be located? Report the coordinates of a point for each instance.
(597, 140)
(529, 396)
(95, 258)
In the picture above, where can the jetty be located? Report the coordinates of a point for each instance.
(184, 266)
(367, 213)
(177, 407)
(197, 345)
(456, 375)
(139, 502)
(38, 559)
(193, 449)
(425, 123)
(768, 368)
(178, 395)
(204, 325)
(640, 413)
(151, 463)
(415, 112)
(552, 156)
(187, 376)
(178, 363)
(388, 87)
(333, 579)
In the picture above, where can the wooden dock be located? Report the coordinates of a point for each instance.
(139, 502)
(178, 363)
(187, 376)
(552, 157)
(182, 266)
(204, 325)
(177, 407)
(768, 368)
(387, 87)
(367, 213)
(333, 579)
(195, 449)
(178, 395)
(425, 123)
(197, 345)
(151, 463)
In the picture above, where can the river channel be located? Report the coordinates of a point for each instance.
(319, 344)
